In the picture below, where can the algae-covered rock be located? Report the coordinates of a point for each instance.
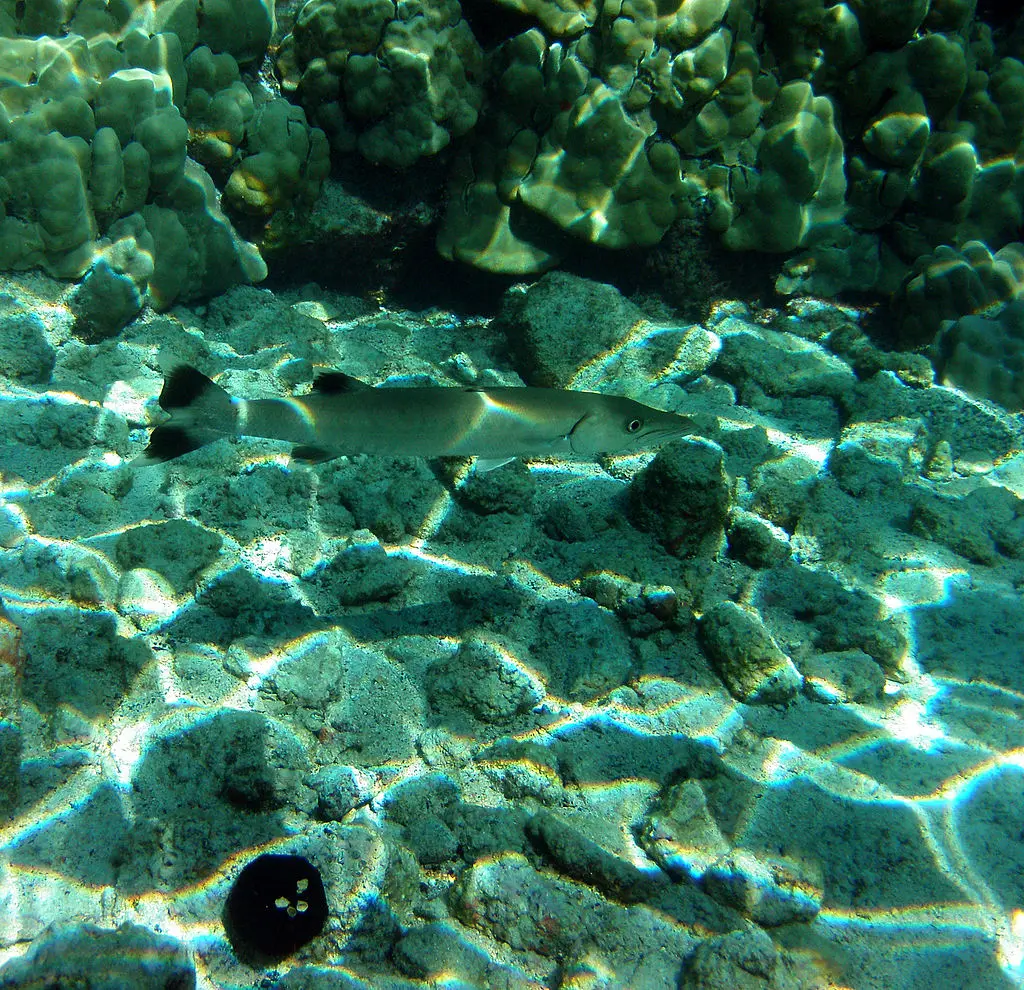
(562, 322)
(750, 662)
(742, 959)
(680, 834)
(772, 890)
(360, 573)
(569, 332)
(781, 364)
(178, 549)
(480, 681)
(113, 291)
(839, 259)
(756, 541)
(849, 675)
(682, 497)
(27, 356)
(87, 955)
(984, 526)
(808, 607)
(94, 665)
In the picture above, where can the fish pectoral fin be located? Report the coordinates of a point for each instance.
(485, 464)
(311, 454)
(337, 383)
(559, 445)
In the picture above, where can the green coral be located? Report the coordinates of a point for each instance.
(860, 135)
(628, 195)
(284, 164)
(240, 28)
(218, 107)
(953, 281)
(992, 110)
(874, 145)
(45, 220)
(484, 224)
(561, 18)
(98, 123)
(564, 148)
(933, 121)
(984, 355)
(604, 135)
(889, 24)
(798, 183)
(398, 82)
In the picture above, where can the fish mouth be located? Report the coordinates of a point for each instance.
(652, 440)
(674, 432)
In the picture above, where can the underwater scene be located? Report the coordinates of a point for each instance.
(511, 494)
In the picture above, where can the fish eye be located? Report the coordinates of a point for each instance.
(633, 425)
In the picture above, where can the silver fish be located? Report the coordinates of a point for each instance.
(343, 415)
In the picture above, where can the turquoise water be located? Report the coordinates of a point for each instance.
(740, 710)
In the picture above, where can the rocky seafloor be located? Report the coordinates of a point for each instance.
(745, 713)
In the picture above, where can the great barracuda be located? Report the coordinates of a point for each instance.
(343, 415)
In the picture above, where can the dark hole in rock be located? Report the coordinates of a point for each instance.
(275, 907)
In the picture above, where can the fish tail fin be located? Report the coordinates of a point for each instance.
(201, 412)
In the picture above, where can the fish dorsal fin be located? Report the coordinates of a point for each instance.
(183, 386)
(337, 382)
